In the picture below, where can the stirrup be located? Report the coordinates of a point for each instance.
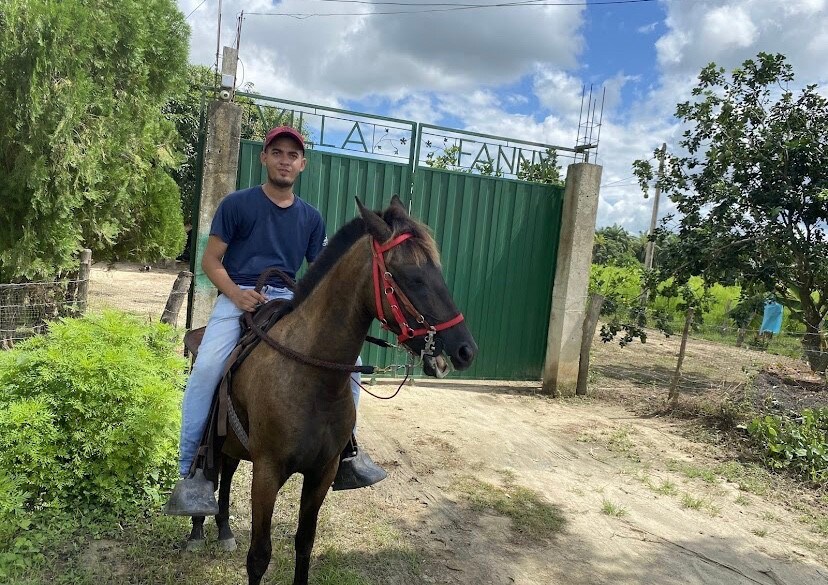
(193, 496)
(356, 469)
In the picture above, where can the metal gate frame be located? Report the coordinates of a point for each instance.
(498, 236)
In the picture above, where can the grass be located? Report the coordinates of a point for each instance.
(693, 471)
(531, 516)
(692, 502)
(611, 509)
(619, 441)
(666, 488)
(356, 544)
(761, 532)
(749, 477)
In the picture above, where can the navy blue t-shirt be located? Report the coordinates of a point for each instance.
(259, 234)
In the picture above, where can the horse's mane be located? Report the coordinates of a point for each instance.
(340, 243)
(349, 234)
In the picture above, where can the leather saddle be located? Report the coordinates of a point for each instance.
(264, 317)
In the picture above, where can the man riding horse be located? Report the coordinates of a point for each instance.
(266, 226)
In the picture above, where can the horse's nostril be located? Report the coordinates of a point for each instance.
(465, 353)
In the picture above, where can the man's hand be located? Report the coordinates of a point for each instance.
(247, 299)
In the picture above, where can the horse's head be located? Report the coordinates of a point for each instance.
(410, 294)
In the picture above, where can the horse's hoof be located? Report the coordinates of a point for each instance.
(195, 544)
(228, 544)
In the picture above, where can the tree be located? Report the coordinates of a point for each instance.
(752, 188)
(615, 246)
(84, 149)
(186, 109)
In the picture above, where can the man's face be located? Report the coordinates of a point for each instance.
(284, 160)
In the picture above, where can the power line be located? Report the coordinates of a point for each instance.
(447, 8)
(194, 9)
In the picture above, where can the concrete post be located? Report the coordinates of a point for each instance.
(221, 161)
(563, 345)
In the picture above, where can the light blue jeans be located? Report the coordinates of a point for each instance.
(220, 337)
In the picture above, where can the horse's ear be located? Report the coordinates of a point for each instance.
(397, 202)
(376, 226)
(396, 215)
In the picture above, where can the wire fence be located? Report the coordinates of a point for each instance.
(27, 308)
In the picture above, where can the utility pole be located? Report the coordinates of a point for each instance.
(650, 251)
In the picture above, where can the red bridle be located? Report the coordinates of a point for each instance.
(397, 299)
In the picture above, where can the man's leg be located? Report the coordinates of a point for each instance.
(220, 338)
(356, 468)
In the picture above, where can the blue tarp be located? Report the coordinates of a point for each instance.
(772, 318)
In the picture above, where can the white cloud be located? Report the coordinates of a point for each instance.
(647, 28)
(485, 68)
(558, 91)
(356, 56)
(729, 31)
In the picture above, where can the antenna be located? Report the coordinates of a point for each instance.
(218, 40)
(589, 131)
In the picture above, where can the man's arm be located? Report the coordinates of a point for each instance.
(247, 299)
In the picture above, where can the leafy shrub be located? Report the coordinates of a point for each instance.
(799, 445)
(89, 417)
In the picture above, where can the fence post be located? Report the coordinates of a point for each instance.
(83, 279)
(590, 323)
(672, 398)
(179, 291)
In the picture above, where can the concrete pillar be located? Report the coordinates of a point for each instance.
(221, 161)
(563, 345)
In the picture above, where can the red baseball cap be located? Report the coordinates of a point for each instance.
(284, 131)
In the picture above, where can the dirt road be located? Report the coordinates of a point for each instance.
(619, 484)
(495, 484)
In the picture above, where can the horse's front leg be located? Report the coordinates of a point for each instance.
(266, 485)
(314, 489)
(226, 540)
(196, 539)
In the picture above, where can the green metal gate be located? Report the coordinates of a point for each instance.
(499, 242)
(498, 236)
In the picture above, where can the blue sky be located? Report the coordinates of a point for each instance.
(515, 71)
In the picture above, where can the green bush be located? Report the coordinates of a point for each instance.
(89, 418)
(799, 445)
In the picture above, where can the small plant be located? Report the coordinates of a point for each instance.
(692, 502)
(760, 532)
(666, 488)
(799, 445)
(611, 509)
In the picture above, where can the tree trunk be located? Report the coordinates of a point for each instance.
(590, 323)
(815, 350)
(672, 397)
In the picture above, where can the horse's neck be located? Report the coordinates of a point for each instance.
(331, 323)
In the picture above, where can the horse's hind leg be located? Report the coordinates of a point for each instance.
(266, 484)
(314, 489)
(226, 540)
(196, 539)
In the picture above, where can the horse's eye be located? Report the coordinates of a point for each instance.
(415, 280)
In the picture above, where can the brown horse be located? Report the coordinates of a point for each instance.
(299, 417)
